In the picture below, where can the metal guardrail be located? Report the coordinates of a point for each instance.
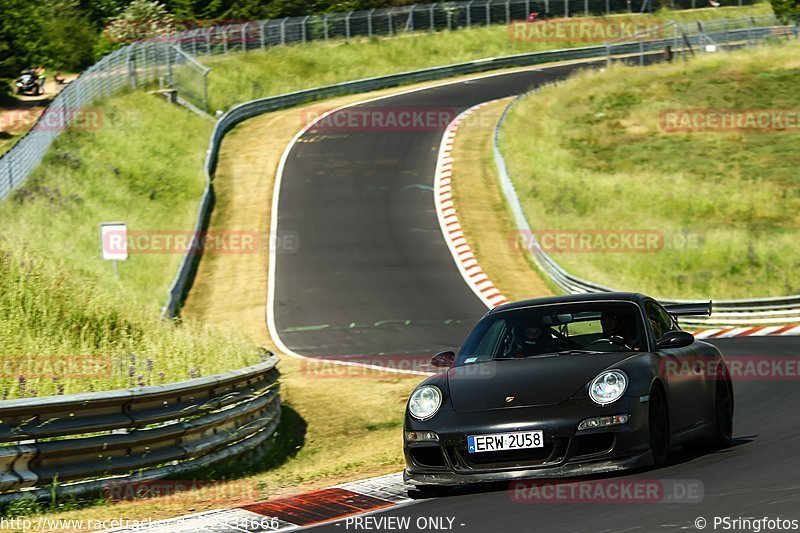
(85, 442)
(726, 313)
(185, 275)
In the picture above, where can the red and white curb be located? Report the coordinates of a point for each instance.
(293, 512)
(465, 260)
(726, 333)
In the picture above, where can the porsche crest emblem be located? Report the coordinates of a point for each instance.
(509, 399)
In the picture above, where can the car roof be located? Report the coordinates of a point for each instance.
(572, 298)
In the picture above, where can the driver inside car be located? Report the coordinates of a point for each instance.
(615, 326)
(537, 340)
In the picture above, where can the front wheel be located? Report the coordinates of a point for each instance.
(658, 425)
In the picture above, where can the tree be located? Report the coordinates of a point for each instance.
(786, 9)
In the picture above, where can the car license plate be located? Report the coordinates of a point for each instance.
(505, 441)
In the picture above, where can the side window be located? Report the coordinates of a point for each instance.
(659, 319)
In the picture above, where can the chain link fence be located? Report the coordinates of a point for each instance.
(136, 65)
(405, 19)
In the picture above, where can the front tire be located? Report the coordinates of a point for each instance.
(658, 426)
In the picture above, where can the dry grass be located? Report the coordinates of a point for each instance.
(483, 213)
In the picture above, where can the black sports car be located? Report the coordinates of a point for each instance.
(566, 386)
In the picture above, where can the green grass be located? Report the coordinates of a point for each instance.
(591, 154)
(241, 77)
(60, 302)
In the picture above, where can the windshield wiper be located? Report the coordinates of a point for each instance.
(576, 352)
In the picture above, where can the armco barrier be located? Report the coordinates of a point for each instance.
(83, 442)
(183, 279)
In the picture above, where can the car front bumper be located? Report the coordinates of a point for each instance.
(567, 452)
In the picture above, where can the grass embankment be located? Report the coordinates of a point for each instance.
(61, 303)
(591, 154)
(483, 212)
(240, 77)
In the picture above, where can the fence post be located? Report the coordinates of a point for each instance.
(369, 22)
(469, 13)
(508, 11)
(325, 24)
(390, 22)
(303, 27)
(433, 22)
(225, 41)
(547, 7)
(244, 36)
(283, 30)
(566, 8)
(205, 89)
(488, 12)
(347, 25)
(586, 7)
(527, 8)
(449, 18)
(261, 41)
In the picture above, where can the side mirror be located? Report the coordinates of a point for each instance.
(444, 359)
(675, 339)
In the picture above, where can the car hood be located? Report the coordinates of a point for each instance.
(533, 381)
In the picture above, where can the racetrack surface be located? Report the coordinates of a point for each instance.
(758, 477)
(372, 276)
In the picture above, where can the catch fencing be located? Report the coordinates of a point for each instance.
(222, 39)
(84, 443)
(145, 64)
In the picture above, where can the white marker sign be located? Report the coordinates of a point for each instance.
(114, 241)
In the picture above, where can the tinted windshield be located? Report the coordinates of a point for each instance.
(549, 329)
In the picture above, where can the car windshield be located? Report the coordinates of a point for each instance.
(555, 330)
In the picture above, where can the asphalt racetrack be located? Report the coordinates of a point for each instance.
(373, 278)
(758, 477)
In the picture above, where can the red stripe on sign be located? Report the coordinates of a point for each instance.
(717, 334)
(749, 332)
(784, 328)
(318, 506)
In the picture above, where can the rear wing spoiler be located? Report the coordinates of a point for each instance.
(699, 309)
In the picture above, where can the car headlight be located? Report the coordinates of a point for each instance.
(424, 402)
(608, 387)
